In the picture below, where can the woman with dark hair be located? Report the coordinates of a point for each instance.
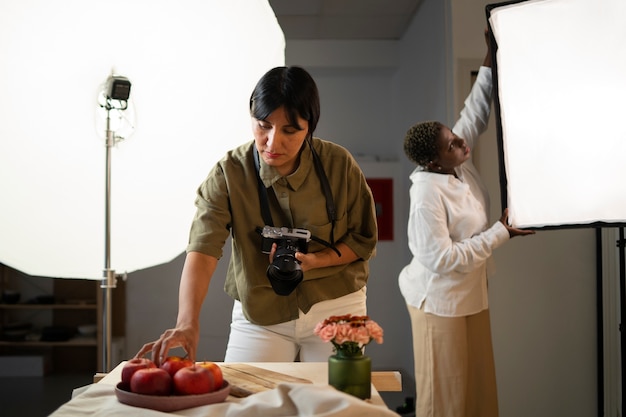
(451, 240)
(300, 199)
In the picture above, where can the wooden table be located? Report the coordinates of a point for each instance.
(316, 372)
(301, 398)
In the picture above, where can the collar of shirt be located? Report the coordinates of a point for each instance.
(419, 171)
(269, 175)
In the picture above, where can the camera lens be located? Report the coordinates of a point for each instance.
(285, 272)
(285, 267)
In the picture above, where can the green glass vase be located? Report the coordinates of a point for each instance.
(351, 372)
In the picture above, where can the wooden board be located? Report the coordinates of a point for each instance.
(246, 380)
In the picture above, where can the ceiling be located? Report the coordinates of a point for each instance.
(344, 19)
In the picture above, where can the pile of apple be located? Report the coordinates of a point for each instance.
(175, 376)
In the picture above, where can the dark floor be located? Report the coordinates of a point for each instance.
(38, 396)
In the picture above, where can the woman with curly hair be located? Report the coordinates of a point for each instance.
(445, 284)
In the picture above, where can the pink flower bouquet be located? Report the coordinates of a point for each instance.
(348, 333)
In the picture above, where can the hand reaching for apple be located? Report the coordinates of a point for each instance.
(185, 337)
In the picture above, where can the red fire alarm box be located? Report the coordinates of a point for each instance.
(382, 189)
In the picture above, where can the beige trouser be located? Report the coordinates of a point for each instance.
(454, 368)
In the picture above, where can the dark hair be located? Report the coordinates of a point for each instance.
(291, 87)
(420, 142)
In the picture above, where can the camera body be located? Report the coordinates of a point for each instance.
(285, 272)
(291, 239)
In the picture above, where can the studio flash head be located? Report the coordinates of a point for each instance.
(117, 88)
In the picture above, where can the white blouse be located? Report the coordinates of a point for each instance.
(448, 230)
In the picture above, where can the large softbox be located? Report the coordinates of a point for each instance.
(560, 81)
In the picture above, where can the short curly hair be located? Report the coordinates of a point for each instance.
(420, 142)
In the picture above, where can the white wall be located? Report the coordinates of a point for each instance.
(543, 297)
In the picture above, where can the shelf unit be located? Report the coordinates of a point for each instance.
(75, 341)
(75, 302)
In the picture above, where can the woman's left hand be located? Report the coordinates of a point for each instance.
(513, 231)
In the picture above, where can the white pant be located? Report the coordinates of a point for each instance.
(283, 342)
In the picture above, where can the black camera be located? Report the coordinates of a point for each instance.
(285, 272)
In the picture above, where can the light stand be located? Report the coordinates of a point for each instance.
(118, 89)
(621, 244)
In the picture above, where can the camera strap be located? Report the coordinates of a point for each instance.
(330, 204)
(265, 205)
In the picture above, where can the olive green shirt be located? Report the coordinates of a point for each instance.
(228, 202)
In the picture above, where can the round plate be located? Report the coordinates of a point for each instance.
(168, 403)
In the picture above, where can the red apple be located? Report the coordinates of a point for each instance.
(216, 371)
(151, 381)
(133, 366)
(173, 363)
(193, 380)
